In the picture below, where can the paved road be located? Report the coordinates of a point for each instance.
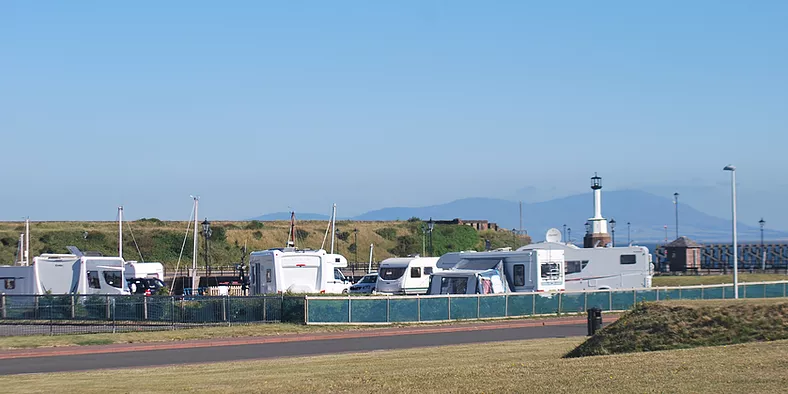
(147, 354)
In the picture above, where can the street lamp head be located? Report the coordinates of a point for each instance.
(588, 227)
(762, 222)
(431, 224)
(729, 167)
(612, 223)
(206, 227)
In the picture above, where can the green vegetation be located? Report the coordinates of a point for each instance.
(687, 324)
(162, 241)
(506, 367)
(692, 280)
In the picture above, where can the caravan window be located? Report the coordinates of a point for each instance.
(519, 275)
(573, 267)
(628, 259)
(338, 274)
(454, 285)
(550, 271)
(268, 276)
(93, 280)
(427, 270)
(10, 284)
(113, 278)
(391, 273)
(415, 272)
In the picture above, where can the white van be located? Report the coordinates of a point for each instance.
(298, 271)
(405, 275)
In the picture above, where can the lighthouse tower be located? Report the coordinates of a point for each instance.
(596, 228)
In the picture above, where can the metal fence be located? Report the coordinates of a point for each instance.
(71, 314)
(414, 309)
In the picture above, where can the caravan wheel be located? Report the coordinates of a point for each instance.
(344, 291)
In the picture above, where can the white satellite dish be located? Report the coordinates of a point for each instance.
(553, 235)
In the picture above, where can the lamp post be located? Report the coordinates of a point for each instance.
(629, 233)
(514, 238)
(763, 251)
(355, 245)
(732, 169)
(613, 230)
(676, 203)
(588, 228)
(565, 237)
(430, 227)
(569, 235)
(666, 233)
(206, 232)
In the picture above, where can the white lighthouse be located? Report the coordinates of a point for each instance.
(596, 228)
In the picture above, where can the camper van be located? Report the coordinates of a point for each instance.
(66, 274)
(499, 272)
(299, 271)
(405, 275)
(134, 270)
(606, 268)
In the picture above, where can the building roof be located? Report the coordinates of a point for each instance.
(683, 242)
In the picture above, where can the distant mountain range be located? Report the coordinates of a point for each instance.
(647, 213)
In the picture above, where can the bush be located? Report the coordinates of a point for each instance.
(301, 233)
(257, 235)
(254, 225)
(388, 233)
(406, 245)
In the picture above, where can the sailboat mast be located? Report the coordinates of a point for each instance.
(194, 252)
(27, 241)
(292, 230)
(371, 246)
(120, 231)
(333, 226)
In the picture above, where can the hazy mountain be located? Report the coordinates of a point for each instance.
(286, 216)
(647, 213)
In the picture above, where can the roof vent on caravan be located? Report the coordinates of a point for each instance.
(75, 251)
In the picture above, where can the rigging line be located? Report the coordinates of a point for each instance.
(328, 227)
(186, 236)
(135, 241)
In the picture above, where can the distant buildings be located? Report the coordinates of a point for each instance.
(479, 225)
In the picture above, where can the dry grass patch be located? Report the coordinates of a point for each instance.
(505, 367)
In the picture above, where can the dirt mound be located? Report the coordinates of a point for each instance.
(654, 326)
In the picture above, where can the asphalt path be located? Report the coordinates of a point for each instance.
(150, 356)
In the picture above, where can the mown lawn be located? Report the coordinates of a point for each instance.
(692, 280)
(533, 366)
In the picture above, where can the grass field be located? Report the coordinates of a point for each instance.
(508, 367)
(691, 280)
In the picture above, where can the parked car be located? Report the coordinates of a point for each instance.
(366, 285)
(146, 286)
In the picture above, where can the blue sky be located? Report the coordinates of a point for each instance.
(258, 106)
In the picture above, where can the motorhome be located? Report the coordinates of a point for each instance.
(66, 274)
(602, 268)
(499, 272)
(405, 275)
(298, 271)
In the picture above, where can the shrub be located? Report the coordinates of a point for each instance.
(388, 233)
(254, 225)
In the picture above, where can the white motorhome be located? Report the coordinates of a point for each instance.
(297, 271)
(499, 272)
(405, 275)
(66, 274)
(605, 268)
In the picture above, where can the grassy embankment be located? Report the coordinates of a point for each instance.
(162, 241)
(668, 325)
(693, 280)
(508, 367)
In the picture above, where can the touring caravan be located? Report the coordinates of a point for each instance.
(499, 272)
(66, 274)
(405, 275)
(607, 268)
(134, 270)
(297, 271)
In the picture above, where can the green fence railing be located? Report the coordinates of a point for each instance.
(414, 309)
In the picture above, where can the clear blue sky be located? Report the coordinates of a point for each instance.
(258, 106)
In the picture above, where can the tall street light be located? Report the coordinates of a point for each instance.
(613, 230)
(355, 243)
(763, 251)
(569, 235)
(565, 237)
(676, 203)
(430, 227)
(206, 232)
(666, 233)
(732, 169)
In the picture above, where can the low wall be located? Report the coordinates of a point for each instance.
(416, 309)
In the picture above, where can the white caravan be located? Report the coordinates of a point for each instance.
(405, 275)
(136, 270)
(66, 274)
(298, 271)
(499, 272)
(608, 268)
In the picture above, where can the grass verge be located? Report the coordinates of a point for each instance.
(504, 367)
(693, 280)
(652, 326)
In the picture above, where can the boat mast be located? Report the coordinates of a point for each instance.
(194, 252)
(333, 226)
(371, 246)
(27, 241)
(291, 238)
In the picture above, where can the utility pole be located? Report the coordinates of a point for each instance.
(763, 251)
(676, 203)
(120, 231)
